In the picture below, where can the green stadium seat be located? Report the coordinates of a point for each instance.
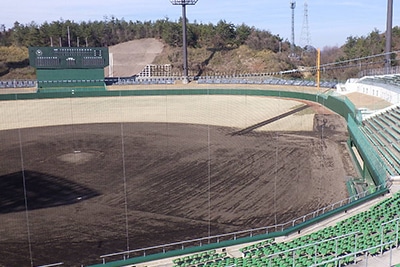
(367, 224)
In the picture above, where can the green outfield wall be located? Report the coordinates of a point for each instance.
(70, 79)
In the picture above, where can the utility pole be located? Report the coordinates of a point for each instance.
(69, 37)
(318, 68)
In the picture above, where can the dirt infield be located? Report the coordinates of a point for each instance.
(151, 171)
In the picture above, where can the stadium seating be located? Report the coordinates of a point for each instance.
(383, 131)
(17, 84)
(253, 79)
(387, 81)
(373, 231)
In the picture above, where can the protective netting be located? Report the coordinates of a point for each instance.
(85, 176)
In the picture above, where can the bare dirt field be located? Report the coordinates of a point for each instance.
(93, 189)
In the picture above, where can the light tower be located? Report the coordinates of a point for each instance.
(292, 6)
(388, 47)
(184, 3)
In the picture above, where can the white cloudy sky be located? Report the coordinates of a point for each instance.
(330, 22)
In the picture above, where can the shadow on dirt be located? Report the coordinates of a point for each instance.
(42, 191)
(6, 67)
(203, 65)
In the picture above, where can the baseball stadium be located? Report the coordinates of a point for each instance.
(223, 171)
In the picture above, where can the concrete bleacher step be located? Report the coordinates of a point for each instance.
(392, 119)
(379, 123)
(384, 134)
(394, 136)
(387, 159)
(396, 147)
(396, 164)
(389, 127)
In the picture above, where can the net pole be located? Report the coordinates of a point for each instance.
(27, 219)
(318, 68)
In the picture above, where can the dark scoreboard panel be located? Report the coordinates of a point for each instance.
(68, 57)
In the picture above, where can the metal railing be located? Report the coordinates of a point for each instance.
(379, 71)
(52, 265)
(241, 234)
(364, 252)
(356, 253)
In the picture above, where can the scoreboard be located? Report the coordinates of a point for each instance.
(69, 68)
(68, 57)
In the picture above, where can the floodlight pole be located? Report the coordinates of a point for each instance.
(184, 3)
(184, 44)
(292, 7)
(388, 47)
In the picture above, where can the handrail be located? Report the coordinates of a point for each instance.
(250, 232)
(53, 264)
(352, 254)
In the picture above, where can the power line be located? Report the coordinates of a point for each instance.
(326, 65)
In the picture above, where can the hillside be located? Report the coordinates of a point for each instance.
(209, 58)
(129, 58)
(211, 61)
(14, 63)
(221, 48)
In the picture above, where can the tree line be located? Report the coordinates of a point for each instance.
(111, 31)
(221, 36)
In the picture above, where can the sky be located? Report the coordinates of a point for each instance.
(330, 22)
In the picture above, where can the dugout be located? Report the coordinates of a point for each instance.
(69, 68)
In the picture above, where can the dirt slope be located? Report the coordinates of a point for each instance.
(129, 58)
